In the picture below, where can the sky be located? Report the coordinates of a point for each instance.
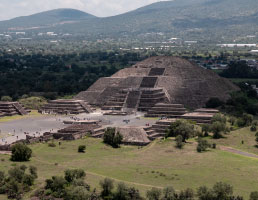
(101, 8)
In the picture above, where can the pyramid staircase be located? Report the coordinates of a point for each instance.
(12, 108)
(150, 97)
(149, 82)
(20, 109)
(159, 129)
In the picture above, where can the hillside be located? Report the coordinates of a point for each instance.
(46, 19)
(195, 19)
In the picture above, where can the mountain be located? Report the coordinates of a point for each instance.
(194, 19)
(46, 19)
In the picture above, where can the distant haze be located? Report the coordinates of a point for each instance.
(101, 8)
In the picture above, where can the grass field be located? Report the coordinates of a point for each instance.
(33, 113)
(234, 139)
(158, 165)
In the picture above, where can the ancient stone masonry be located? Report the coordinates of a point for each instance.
(12, 108)
(200, 116)
(166, 110)
(161, 79)
(76, 131)
(63, 106)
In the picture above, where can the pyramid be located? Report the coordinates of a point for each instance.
(162, 79)
(12, 108)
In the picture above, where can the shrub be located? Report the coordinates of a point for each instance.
(107, 187)
(254, 196)
(179, 142)
(202, 145)
(81, 149)
(21, 152)
(153, 194)
(51, 144)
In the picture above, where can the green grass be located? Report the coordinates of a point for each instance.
(158, 165)
(33, 113)
(234, 139)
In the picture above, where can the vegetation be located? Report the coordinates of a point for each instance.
(20, 152)
(182, 128)
(157, 165)
(81, 148)
(202, 145)
(112, 138)
(179, 142)
(18, 181)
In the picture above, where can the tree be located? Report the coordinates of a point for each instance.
(6, 98)
(17, 182)
(219, 118)
(187, 194)
(205, 129)
(107, 187)
(202, 145)
(179, 142)
(248, 119)
(181, 127)
(57, 186)
(121, 192)
(154, 194)
(217, 128)
(20, 152)
(168, 193)
(112, 138)
(73, 174)
(214, 103)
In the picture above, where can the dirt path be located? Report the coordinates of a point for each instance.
(236, 151)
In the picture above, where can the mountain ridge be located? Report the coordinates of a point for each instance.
(182, 18)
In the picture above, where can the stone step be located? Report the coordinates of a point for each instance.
(168, 112)
(112, 107)
(168, 109)
(155, 136)
(149, 132)
(97, 135)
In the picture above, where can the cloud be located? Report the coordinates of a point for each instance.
(102, 8)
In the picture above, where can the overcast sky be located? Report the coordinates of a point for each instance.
(101, 8)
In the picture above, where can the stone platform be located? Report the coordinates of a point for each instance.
(64, 106)
(12, 108)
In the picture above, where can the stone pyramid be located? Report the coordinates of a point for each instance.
(155, 80)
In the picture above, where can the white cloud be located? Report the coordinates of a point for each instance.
(102, 8)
